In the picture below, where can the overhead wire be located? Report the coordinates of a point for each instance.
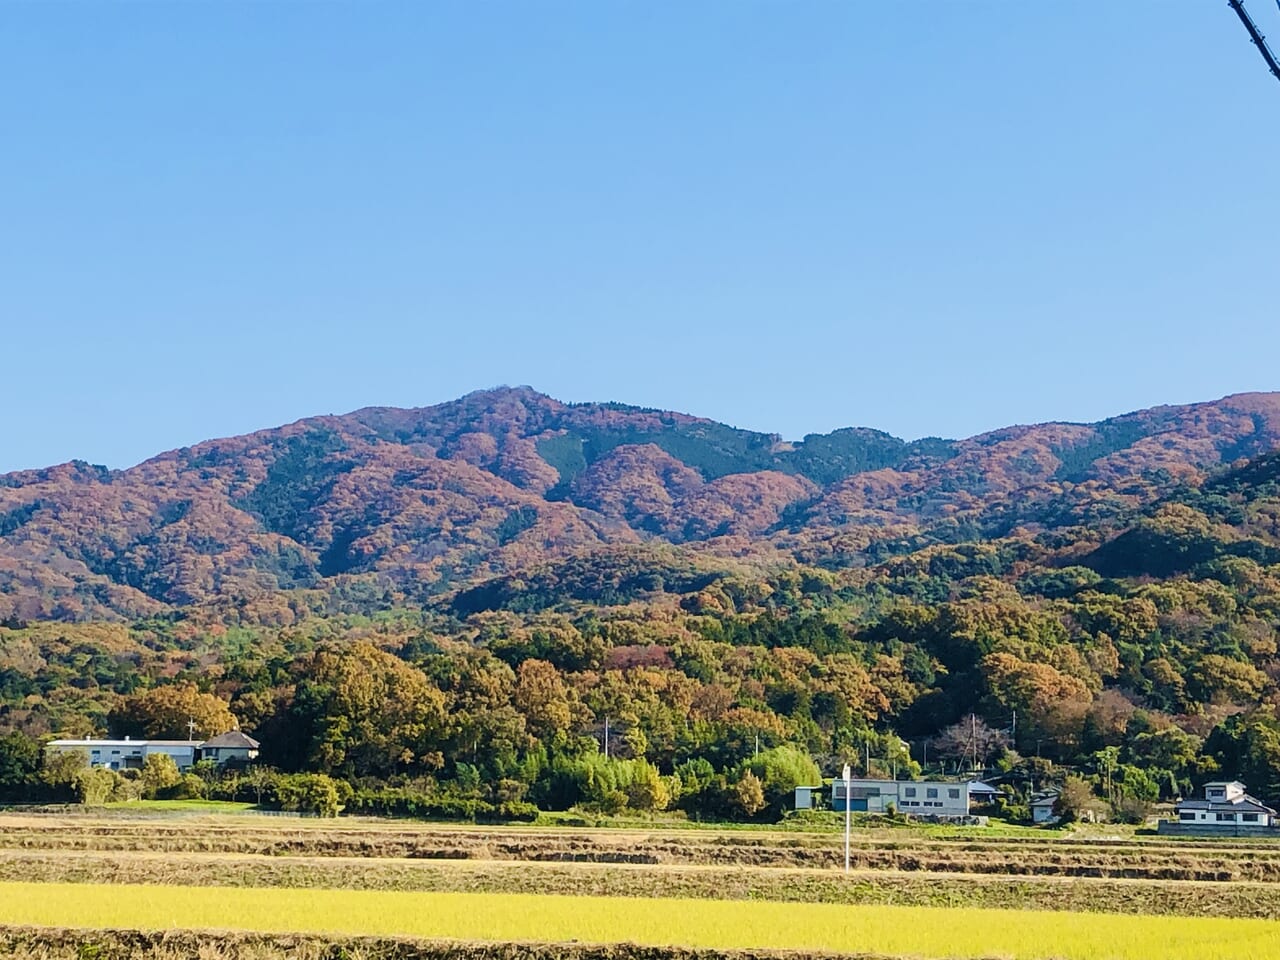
(1256, 36)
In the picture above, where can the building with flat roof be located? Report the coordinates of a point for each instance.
(923, 798)
(128, 754)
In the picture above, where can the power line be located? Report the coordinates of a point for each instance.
(1256, 36)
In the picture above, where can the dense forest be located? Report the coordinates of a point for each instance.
(508, 604)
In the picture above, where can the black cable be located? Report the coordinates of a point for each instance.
(1255, 34)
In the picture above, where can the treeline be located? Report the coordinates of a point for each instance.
(1142, 659)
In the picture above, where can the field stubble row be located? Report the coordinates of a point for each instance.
(40, 943)
(1150, 859)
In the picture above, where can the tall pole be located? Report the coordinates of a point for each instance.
(606, 736)
(848, 805)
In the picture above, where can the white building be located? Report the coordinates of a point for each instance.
(1225, 806)
(231, 747)
(806, 797)
(128, 754)
(917, 797)
(1043, 806)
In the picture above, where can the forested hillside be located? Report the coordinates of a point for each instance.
(451, 603)
(410, 505)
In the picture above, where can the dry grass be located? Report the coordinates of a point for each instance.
(1148, 858)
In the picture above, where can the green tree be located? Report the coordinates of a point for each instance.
(780, 770)
(359, 711)
(646, 791)
(542, 697)
(19, 763)
(159, 774)
(169, 713)
(748, 794)
(1247, 747)
(95, 787)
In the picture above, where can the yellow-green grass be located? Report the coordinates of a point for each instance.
(1170, 898)
(885, 930)
(202, 807)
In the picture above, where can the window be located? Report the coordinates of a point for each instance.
(908, 791)
(1227, 817)
(1216, 794)
(1187, 815)
(954, 793)
(931, 793)
(1249, 817)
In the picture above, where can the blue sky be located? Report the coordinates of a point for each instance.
(928, 217)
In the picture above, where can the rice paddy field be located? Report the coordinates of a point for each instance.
(228, 886)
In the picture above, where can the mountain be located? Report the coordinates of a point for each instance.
(388, 505)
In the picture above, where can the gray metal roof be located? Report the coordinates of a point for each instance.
(1246, 803)
(233, 739)
(124, 743)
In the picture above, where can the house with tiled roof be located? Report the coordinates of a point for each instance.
(1225, 808)
(230, 747)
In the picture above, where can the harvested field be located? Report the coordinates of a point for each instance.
(1171, 898)
(1147, 859)
(709, 924)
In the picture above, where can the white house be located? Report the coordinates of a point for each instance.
(1042, 807)
(1225, 806)
(128, 754)
(806, 797)
(918, 797)
(232, 746)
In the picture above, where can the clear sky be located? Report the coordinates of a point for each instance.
(929, 217)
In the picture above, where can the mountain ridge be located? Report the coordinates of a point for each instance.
(418, 502)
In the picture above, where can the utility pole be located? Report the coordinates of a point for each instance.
(1013, 730)
(973, 737)
(757, 745)
(848, 805)
(606, 736)
(191, 728)
(867, 745)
